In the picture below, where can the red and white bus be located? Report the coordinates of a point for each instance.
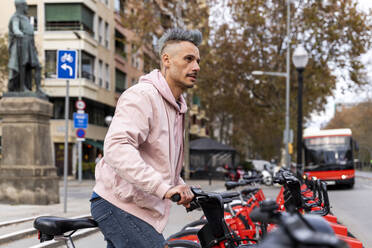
(329, 155)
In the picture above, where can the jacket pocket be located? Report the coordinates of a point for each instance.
(122, 190)
(106, 175)
(148, 201)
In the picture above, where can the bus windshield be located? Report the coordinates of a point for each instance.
(327, 152)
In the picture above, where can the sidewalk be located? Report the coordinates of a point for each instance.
(77, 201)
(364, 174)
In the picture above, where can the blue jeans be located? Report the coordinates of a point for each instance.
(122, 229)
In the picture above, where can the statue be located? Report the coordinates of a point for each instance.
(23, 56)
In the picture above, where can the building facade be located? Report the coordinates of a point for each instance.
(109, 63)
(106, 67)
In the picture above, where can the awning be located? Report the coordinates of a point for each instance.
(97, 144)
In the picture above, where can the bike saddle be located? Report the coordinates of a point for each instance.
(52, 225)
(247, 191)
(231, 185)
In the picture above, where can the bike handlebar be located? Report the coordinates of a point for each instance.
(176, 197)
(199, 193)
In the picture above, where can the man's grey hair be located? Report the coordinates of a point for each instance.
(178, 35)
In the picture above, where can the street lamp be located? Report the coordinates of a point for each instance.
(300, 59)
(287, 76)
(108, 120)
(287, 128)
(80, 145)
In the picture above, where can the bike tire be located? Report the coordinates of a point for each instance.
(182, 244)
(181, 235)
(195, 224)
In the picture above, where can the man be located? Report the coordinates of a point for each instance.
(22, 51)
(143, 149)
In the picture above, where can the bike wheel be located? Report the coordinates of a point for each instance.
(195, 224)
(188, 234)
(182, 244)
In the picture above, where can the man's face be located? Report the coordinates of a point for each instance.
(183, 65)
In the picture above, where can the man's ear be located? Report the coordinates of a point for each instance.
(165, 60)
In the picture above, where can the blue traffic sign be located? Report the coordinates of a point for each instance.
(66, 64)
(80, 120)
(80, 133)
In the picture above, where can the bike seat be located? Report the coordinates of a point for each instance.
(247, 191)
(55, 226)
(231, 185)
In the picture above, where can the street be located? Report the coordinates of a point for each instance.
(351, 206)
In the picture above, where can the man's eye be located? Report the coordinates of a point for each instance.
(189, 59)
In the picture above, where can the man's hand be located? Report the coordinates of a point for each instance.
(185, 193)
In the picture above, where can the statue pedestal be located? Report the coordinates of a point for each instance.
(27, 173)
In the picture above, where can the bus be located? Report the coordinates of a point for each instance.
(329, 156)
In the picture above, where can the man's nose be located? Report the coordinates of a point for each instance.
(196, 66)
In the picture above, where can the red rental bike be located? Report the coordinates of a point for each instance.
(293, 229)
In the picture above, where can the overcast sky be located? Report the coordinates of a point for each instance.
(342, 96)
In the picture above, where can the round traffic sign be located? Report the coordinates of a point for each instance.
(80, 133)
(80, 104)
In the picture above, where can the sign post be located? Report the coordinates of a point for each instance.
(81, 123)
(80, 106)
(66, 69)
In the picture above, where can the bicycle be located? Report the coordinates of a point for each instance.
(55, 228)
(294, 230)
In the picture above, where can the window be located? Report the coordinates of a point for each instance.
(50, 64)
(135, 60)
(120, 44)
(119, 6)
(68, 16)
(120, 81)
(148, 63)
(100, 73)
(107, 76)
(107, 35)
(87, 66)
(32, 15)
(99, 30)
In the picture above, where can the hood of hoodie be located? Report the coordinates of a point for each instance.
(157, 79)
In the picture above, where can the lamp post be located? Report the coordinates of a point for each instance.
(80, 145)
(287, 128)
(287, 93)
(300, 59)
(108, 120)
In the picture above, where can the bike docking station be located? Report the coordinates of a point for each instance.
(299, 217)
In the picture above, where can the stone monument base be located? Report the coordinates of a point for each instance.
(27, 174)
(29, 185)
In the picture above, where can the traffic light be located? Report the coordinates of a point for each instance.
(290, 148)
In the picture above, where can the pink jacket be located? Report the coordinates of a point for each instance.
(143, 151)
